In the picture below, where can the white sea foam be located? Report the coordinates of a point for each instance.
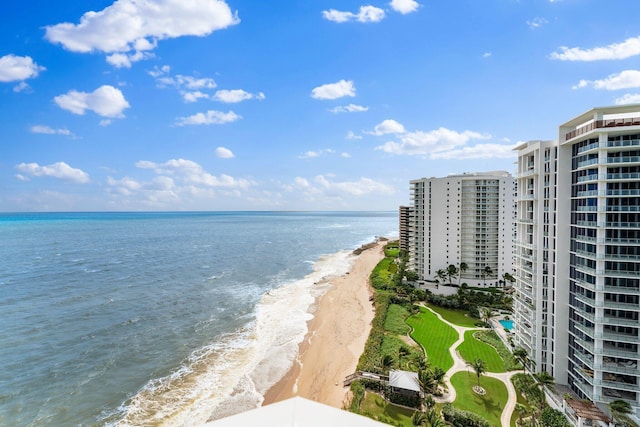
(232, 374)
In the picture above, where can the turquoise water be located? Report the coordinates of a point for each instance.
(134, 319)
(507, 324)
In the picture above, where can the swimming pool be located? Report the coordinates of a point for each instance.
(507, 324)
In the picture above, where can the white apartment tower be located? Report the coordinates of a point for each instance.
(462, 218)
(535, 251)
(578, 269)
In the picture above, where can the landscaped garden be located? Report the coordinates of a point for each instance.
(401, 310)
(435, 336)
(455, 316)
(490, 405)
(472, 348)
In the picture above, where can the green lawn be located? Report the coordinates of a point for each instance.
(488, 406)
(374, 406)
(434, 336)
(457, 317)
(472, 349)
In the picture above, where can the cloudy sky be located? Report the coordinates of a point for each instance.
(289, 105)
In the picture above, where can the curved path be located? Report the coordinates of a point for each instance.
(459, 364)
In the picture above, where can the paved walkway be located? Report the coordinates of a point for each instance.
(459, 364)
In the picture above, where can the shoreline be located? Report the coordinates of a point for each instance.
(336, 335)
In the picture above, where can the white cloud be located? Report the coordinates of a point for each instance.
(479, 151)
(628, 48)
(317, 153)
(129, 29)
(334, 90)
(59, 170)
(537, 23)
(194, 96)
(345, 155)
(236, 95)
(191, 173)
(15, 68)
(404, 6)
(486, 55)
(624, 80)
(49, 130)
(21, 87)
(211, 117)
(352, 135)
(386, 127)
(224, 153)
(351, 108)
(430, 143)
(106, 101)
(323, 187)
(628, 98)
(365, 14)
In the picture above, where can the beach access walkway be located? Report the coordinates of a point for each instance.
(459, 364)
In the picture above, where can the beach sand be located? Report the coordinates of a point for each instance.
(336, 338)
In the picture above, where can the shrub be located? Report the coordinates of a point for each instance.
(357, 390)
(462, 418)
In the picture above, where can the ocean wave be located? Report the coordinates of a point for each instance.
(232, 374)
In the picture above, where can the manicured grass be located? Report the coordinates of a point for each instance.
(490, 405)
(395, 321)
(457, 317)
(472, 349)
(434, 336)
(374, 406)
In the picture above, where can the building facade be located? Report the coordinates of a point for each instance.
(404, 215)
(465, 218)
(578, 270)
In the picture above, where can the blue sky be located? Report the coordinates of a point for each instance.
(290, 105)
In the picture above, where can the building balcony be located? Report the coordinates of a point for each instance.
(629, 290)
(613, 336)
(592, 177)
(584, 388)
(622, 176)
(585, 329)
(617, 352)
(616, 385)
(621, 273)
(598, 124)
(585, 358)
(623, 242)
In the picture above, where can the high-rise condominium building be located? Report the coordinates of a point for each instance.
(404, 214)
(464, 218)
(578, 254)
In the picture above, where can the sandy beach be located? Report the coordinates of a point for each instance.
(336, 338)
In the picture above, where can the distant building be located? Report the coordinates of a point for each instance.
(404, 216)
(577, 305)
(462, 218)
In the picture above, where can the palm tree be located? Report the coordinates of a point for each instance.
(485, 313)
(433, 419)
(426, 382)
(487, 272)
(507, 277)
(452, 271)
(462, 268)
(441, 275)
(428, 402)
(387, 362)
(480, 367)
(522, 356)
(620, 410)
(521, 411)
(545, 380)
(418, 418)
(402, 352)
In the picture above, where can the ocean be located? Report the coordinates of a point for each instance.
(160, 319)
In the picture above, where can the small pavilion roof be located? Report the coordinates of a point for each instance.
(405, 380)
